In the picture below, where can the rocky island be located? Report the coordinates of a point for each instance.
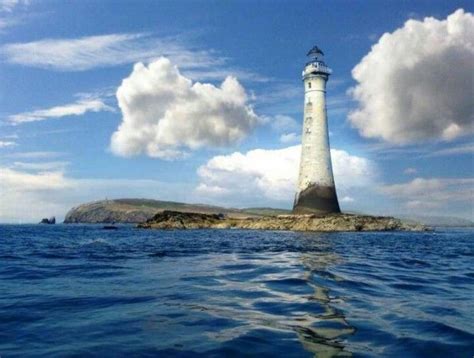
(156, 214)
(327, 223)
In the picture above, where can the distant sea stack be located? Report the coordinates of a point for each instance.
(316, 192)
(50, 221)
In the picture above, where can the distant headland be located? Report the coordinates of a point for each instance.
(134, 211)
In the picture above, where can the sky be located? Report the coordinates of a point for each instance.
(202, 101)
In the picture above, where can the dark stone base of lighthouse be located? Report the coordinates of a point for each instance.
(317, 199)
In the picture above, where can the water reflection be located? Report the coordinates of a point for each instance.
(279, 291)
(322, 333)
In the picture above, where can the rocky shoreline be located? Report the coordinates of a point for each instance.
(329, 223)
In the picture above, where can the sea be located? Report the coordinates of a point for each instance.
(82, 291)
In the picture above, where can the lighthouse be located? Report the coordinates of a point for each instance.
(316, 192)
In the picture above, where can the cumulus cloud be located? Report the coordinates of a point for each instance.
(417, 82)
(259, 172)
(165, 113)
(272, 174)
(73, 109)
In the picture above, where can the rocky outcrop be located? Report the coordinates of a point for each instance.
(179, 220)
(328, 223)
(50, 221)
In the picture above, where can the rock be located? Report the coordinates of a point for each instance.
(110, 227)
(169, 219)
(327, 223)
(51, 220)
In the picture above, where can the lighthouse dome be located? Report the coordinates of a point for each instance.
(316, 64)
(315, 51)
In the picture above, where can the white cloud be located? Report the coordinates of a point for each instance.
(416, 83)
(455, 150)
(7, 143)
(28, 196)
(386, 151)
(352, 171)
(272, 174)
(32, 182)
(409, 171)
(7, 22)
(257, 173)
(430, 193)
(9, 5)
(290, 138)
(42, 166)
(282, 123)
(73, 109)
(285, 125)
(9, 15)
(165, 113)
(90, 52)
(416, 187)
(34, 155)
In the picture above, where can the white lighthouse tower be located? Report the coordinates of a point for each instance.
(316, 192)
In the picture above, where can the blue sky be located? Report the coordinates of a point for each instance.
(402, 137)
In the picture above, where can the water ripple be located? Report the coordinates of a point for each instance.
(80, 290)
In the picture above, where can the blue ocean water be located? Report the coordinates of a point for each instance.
(79, 290)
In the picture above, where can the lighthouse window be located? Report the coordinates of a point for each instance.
(309, 84)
